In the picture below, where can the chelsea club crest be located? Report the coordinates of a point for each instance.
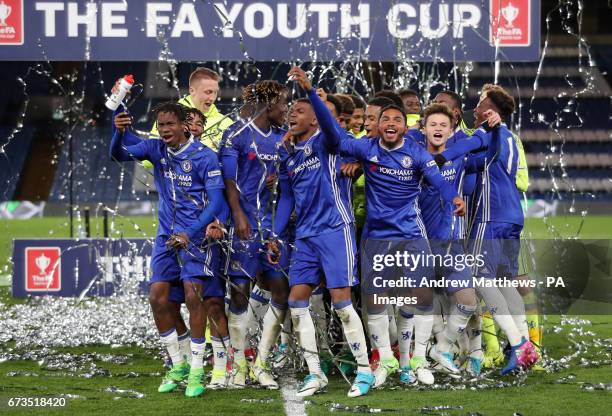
(406, 162)
(307, 150)
(186, 166)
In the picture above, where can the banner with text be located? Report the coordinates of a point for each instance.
(88, 267)
(270, 30)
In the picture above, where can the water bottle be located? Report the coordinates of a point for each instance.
(125, 85)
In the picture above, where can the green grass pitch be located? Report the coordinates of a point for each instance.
(541, 394)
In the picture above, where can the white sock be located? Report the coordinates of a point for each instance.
(498, 307)
(320, 317)
(220, 352)
(271, 327)
(197, 353)
(437, 327)
(438, 317)
(423, 323)
(353, 331)
(305, 331)
(258, 304)
(286, 330)
(237, 324)
(185, 346)
(474, 332)
(170, 340)
(392, 325)
(378, 324)
(516, 306)
(227, 300)
(405, 326)
(455, 326)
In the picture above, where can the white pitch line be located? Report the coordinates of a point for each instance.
(294, 405)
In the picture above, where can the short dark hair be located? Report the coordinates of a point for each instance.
(456, 97)
(501, 98)
(180, 111)
(397, 100)
(347, 103)
(195, 112)
(203, 73)
(336, 103)
(393, 107)
(358, 102)
(438, 108)
(380, 101)
(407, 92)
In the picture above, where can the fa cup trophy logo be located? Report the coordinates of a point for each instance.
(42, 262)
(510, 13)
(5, 12)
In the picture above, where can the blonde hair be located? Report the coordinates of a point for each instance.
(203, 73)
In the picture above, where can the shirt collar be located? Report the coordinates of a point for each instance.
(182, 148)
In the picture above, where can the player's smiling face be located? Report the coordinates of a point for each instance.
(438, 129)
(301, 119)
(371, 120)
(171, 129)
(357, 120)
(195, 124)
(392, 127)
(277, 113)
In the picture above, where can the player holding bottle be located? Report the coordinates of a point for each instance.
(188, 179)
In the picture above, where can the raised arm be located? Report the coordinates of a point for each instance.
(125, 144)
(332, 132)
(125, 153)
(447, 191)
(479, 140)
(337, 140)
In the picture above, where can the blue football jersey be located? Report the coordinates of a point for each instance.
(498, 198)
(393, 183)
(417, 136)
(182, 178)
(248, 156)
(313, 173)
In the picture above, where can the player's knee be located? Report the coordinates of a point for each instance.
(280, 292)
(466, 297)
(524, 290)
(424, 296)
(239, 297)
(158, 299)
(215, 308)
(192, 299)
